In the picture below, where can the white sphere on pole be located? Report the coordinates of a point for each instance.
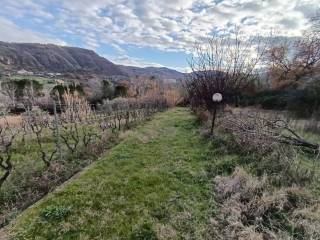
(217, 97)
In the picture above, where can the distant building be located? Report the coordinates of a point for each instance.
(24, 72)
(50, 74)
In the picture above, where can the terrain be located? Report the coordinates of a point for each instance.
(167, 181)
(157, 72)
(49, 58)
(152, 185)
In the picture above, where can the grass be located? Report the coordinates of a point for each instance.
(153, 185)
(160, 183)
(41, 80)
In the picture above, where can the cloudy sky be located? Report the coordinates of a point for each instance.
(147, 32)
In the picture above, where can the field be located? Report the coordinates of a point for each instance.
(153, 183)
(160, 182)
(41, 80)
(39, 151)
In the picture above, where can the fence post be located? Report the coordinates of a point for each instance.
(56, 126)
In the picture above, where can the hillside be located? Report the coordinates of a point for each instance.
(46, 58)
(52, 58)
(161, 72)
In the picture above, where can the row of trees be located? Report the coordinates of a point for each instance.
(53, 147)
(76, 127)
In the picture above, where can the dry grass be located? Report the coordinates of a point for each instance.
(11, 120)
(252, 209)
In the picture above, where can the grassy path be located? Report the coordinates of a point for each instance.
(153, 185)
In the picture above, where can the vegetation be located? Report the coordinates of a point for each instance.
(222, 65)
(41, 151)
(153, 185)
(270, 193)
(157, 184)
(255, 175)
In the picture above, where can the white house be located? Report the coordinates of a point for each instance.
(24, 72)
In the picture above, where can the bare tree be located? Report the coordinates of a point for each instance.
(222, 64)
(290, 61)
(9, 90)
(7, 136)
(39, 124)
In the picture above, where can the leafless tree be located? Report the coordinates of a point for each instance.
(30, 93)
(39, 124)
(7, 136)
(291, 60)
(224, 64)
(9, 90)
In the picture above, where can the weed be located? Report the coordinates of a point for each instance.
(143, 232)
(55, 213)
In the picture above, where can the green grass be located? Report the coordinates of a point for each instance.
(41, 80)
(153, 185)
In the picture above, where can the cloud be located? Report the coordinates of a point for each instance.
(24, 8)
(131, 61)
(177, 24)
(167, 25)
(10, 32)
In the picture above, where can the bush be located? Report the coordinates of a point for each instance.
(302, 102)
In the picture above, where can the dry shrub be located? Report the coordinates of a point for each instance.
(312, 126)
(252, 209)
(264, 133)
(252, 131)
(202, 115)
(283, 166)
(75, 108)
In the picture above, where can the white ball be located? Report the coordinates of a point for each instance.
(217, 97)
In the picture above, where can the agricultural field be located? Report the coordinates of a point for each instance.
(40, 151)
(39, 79)
(160, 120)
(46, 82)
(165, 180)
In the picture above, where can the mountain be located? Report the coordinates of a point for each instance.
(73, 62)
(52, 58)
(158, 72)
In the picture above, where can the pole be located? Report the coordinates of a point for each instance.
(57, 132)
(213, 118)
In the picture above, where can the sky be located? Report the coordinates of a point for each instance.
(147, 32)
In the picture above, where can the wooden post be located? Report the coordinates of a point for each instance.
(214, 113)
(56, 126)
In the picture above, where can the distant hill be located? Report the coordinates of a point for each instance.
(48, 58)
(158, 72)
(52, 58)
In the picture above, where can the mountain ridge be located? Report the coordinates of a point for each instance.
(36, 57)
